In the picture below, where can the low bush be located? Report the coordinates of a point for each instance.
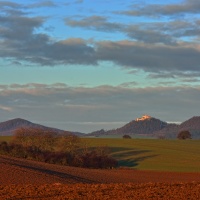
(126, 136)
(4, 147)
(67, 152)
(183, 135)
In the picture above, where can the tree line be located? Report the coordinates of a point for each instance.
(48, 146)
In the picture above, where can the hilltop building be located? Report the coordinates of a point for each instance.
(144, 117)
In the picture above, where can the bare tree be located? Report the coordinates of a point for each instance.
(68, 144)
(35, 137)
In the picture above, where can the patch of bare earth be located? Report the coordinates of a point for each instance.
(25, 179)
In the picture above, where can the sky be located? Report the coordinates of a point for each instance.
(84, 65)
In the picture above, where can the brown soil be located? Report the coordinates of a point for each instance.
(23, 179)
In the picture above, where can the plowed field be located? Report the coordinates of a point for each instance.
(23, 179)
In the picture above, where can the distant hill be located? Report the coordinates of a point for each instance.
(146, 125)
(8, 128)
(192, 125)
(150, 126)
(170, 131)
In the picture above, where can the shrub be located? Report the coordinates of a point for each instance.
(126, 136)
(68, 144)
(182, 135)
(4, 148)
(39, 138)
(48, 147)
(98, 158)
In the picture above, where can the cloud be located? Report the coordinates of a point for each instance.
(129, 84)
(98, 104)
(79, 1)
(71, 51)
(148, 50)
(155, 32)
(176, 75)
(5, 108)
(5, 4)
(108, 97)
(149, 57)
(142, 32)
(182, 8)
(38, 48)
(95, 22)
(19, 41)
(149, 35)
(42, 4)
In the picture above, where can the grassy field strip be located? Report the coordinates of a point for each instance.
(150, 154)
(146, 154)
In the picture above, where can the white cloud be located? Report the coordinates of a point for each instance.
(6, 108)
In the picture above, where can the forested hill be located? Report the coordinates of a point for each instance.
(146, 126)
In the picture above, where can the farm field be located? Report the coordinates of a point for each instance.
(149, 191)
(150, 169)
(26, 179)
(150, 154)
(153, 154)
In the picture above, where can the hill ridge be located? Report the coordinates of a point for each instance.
(7, 128)
(154, 127)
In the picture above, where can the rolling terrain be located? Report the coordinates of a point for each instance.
(150, 169)
(25, 179)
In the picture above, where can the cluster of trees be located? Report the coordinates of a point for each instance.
(126, 136)
(182, 135)
(47, 146)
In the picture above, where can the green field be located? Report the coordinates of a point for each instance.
(151, 154)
